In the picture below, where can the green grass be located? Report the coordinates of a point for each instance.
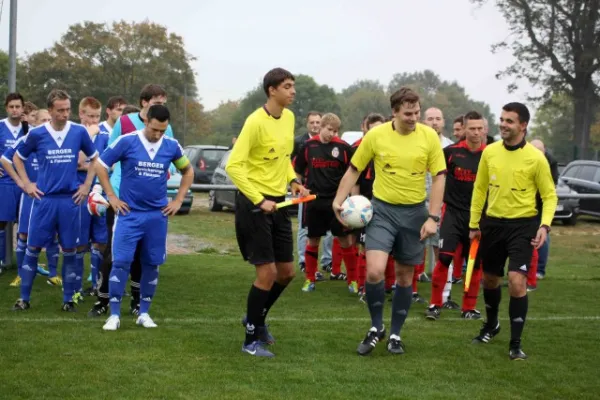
(195, 352)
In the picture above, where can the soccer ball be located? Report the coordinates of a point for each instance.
(357, 211)
(97, 205)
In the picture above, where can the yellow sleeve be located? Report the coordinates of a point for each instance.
(547, 189)
(436, 162)
(236, 165)
(480, 189)
(363, 154)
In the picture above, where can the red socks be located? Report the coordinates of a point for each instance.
(458, 262)
(311, 257)
(390, 273)
(336, 257)
(350, 261)
(362, 268)
(532, 273)
(438, 281)
(470, 297)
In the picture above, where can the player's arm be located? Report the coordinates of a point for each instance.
(547, 189)
(114, 153)
(360, 160)
(236, 164)
(301, 163)
(480, 188)
(7, 163)
(437, 168)
(90, 152)
(170, 134)
(29, 146)
(181, 162)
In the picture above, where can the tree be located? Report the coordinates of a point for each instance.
(449, 97)
(556, 48)
(101, 60)
(360, 99)
(554, 126)
(221, 119)
(310, 96)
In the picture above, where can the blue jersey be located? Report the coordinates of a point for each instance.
(144, 166)
(100, 141)
(8, 137)
(57, 154)
(31, 165)
(136, 120)
(105, 128)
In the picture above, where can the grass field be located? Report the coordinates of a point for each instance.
(195, 352)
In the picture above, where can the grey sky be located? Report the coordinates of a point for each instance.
(335, 41)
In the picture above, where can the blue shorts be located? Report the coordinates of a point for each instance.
(10, 196)
(93, 227)
(149, 227)
(24, 213)
(54, 214)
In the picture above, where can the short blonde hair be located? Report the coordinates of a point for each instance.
(331, 119)
(89, 102)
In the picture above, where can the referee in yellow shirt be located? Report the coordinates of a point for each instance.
(403, 151)
(510, 174)
(261, 168)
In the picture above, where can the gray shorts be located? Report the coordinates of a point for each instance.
(396, 229)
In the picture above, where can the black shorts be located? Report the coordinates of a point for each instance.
(454, 230)
(320, 218)
(502, 239)
(263, 238)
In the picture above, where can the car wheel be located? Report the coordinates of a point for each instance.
(570, 221)
(213, 205)
(184, 211)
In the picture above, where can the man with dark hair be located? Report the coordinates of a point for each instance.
(510, 174)
(313, 125)
(114, 109)
(11, 129)
(457, 128)
(260, 166)
(403, 151)
(462, 160)
(151, 94)
(57, 145)
(142, 207)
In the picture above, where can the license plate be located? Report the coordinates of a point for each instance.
(560, 207)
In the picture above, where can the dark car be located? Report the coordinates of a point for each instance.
(217, 199)
(583, 176)
(566, 209)
(205, 159)
(186, 206)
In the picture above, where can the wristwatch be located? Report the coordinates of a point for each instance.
(546, 227)
(435, 218)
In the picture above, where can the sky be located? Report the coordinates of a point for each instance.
(337, 42)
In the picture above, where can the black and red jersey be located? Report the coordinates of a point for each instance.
(367, 177)
(462, 165)
(323, 165)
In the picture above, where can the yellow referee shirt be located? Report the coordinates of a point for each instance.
(510, 178)
(401, 162)
(260, 163)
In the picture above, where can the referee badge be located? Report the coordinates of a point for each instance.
(335, 152)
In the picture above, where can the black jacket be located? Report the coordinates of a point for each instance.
(298, 143)
(553, 166)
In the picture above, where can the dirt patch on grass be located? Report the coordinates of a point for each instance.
(184, 244)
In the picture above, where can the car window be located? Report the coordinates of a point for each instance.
(213, 155)
(597, 176)
(571, 172)
(190, 153)
(587, 173)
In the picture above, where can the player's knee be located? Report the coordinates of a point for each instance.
(517, 284)
(404, 275)
(284, 277)
(122, 265)
(490, 281)
(446, 259)
(34, 249)
(265, 276)
(23, 236)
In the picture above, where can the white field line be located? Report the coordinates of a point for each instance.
(20, 319)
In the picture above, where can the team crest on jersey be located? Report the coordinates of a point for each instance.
(335, 152)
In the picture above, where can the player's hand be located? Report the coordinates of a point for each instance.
(32, 191)
(93, 129)
(299, 190)
(428, 229)
(474, 234)
(268, 207)
(81, 193)
(172, 208)
(119, 206)
(540, 238)
(337, 210)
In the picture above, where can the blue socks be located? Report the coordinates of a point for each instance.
(21, 247)
(96, 261)
(69, 272)
(80, 258)
(148, 285)
(28, 272)
(3, 244)
(52, 253)
(116, 285)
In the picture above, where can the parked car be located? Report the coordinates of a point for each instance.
(583, 176)
(217, 199)
(205, 159)
(566, 209)
(175, 179)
